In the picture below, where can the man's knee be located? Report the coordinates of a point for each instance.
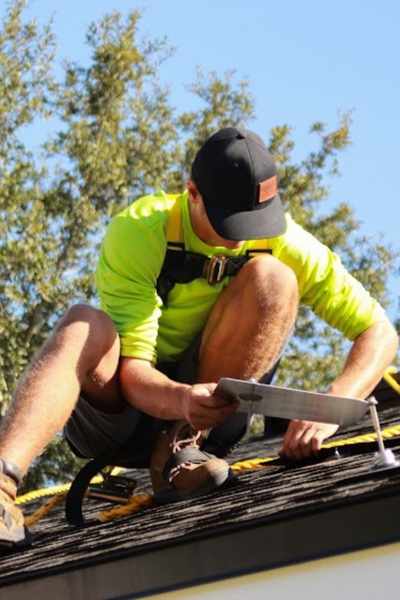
(267, 280)
(264, 290)
(90, 328)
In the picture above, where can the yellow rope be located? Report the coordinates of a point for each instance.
(257, 463)
(44, 510)
(43, 493)
(134, 504)
(57, 489)
(251, 464)
(387, 433)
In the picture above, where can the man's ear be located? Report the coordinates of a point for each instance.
(194, 194)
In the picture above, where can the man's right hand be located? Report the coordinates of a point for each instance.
(203, 409)
(152, 392)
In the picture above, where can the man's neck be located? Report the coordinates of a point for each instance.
(203, 229)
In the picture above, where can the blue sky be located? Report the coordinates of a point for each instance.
(305, 61)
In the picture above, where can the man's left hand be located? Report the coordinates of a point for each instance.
(304, 438)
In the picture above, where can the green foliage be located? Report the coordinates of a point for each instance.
(114, 135)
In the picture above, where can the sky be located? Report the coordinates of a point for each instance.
(305, 61)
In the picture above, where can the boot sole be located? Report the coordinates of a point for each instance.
(7, 546)
(171, 494)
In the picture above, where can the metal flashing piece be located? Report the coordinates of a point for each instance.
(289, 403)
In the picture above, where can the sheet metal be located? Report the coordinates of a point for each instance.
(289, 403)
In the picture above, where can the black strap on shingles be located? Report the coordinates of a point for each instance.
(77, 491)
(133, 452)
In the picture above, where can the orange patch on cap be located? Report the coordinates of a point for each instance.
(268, 189)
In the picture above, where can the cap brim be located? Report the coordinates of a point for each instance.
(267, 221)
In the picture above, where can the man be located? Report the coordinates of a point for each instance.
(145, 367)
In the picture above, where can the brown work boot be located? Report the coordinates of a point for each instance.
(179, 469)
(12, 529)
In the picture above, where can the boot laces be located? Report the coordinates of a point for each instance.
(193, 438)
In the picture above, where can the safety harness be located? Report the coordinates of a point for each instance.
(183, 266)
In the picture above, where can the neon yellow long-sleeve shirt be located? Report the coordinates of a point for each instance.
(132, 255)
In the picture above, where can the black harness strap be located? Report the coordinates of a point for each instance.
(182, 266)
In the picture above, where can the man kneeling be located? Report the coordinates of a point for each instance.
(193, 287)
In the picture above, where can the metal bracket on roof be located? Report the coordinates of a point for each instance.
(384, 458)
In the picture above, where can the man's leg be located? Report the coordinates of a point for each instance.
(243, 338)
(250, 322)
(81, 354)
(246, 333)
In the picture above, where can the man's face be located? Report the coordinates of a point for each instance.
(201, 224)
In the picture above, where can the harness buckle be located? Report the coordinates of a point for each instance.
(215, 268)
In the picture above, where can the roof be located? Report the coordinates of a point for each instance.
(277, 515)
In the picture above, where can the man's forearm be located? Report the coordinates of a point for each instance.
(369, 356)
(149, 390)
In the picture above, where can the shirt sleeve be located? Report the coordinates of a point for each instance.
(326, 286)
(130, 261)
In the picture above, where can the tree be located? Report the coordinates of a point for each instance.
(114, 135)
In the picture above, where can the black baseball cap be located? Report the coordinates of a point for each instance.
(237, 178)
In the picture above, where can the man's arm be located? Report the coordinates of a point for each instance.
(371, 353)
(152, 392)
